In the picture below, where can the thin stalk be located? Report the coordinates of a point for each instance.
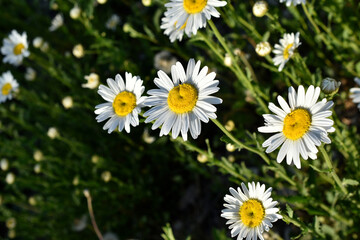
(91, 212)
(332, 171)
(311, 20)
(237, 142)
(238, 72)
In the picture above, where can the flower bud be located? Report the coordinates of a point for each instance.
(263, 49)
(260, 8)
(330, 86)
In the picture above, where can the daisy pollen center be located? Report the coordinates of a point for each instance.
(124, 103)
(296, 123)
(194, 6)
(286, 53)
(182, 98)
(252, 213)
(18, 48)
(6, 89)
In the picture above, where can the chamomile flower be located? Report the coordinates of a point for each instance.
(285, 50)
(250, 211)
(171, 30)
(191, 14)
(124, 102)
(181, 103)
(294, 2)
(8, 85)
(299, 127)
(112, 22)
(15, 48)
(355, 93)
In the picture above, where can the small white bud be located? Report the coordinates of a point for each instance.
(263, 49)
(78, 51)
(230, 147)
(10, 178)
(227, 60)
(53, 133)
(260, 8)
(37, 42)
(75, 12)
(106, 176)
(202, 158)
(4, 164)
(67, 102)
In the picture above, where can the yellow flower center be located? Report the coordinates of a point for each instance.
(18, 49)
(182, 98)
(286, 51)
(194, 6)
(296, 123)
(252, 212)
(6, 89)
(124, 103)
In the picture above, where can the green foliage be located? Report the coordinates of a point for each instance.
(161, 183)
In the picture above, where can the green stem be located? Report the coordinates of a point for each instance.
(238, 72)
(332, 171)
(240, 144)
(311, 20)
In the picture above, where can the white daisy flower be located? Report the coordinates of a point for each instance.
(15, 48)
(124, 102)
(355, 93)
(57, 22)
(294, 2)
(8, 85)
(191, 14)
(112, 22)
(171, 30)
(284, 52)
(92, 81)
(250, 211)
(181, 102)
(299, 127)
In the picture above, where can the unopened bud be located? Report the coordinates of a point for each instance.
(330, 86)
(260, 8)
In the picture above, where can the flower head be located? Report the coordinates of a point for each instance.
(92, 81)
(124, 102)
(78, 51)
(112, 22)
(15, 48)
(75, 12)
(285, 50)
(8, 85)
(299, 127)
(263, 49)
(250, 211)
(355, 93)
(181, 103)
(189, 16)
(294, 2)
(260, 8)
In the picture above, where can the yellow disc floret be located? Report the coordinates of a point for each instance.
(6, 89)
(252, 213)
(18, 48)
(194, 6)
(124, 103)
(286, 53)
(297, 123)
(182, 98)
